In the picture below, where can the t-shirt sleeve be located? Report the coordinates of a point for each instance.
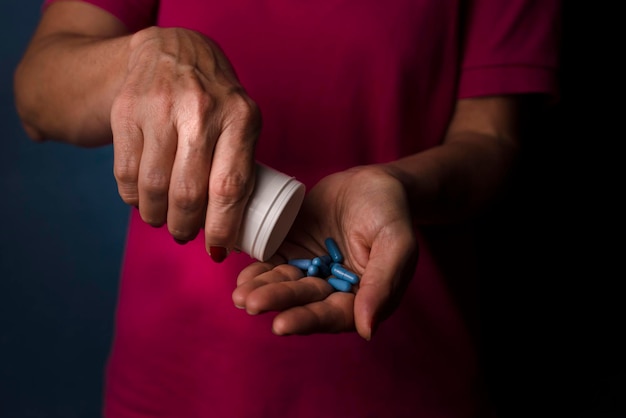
(511, 47)
(135, 14)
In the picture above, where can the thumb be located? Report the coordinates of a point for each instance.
(388, 271)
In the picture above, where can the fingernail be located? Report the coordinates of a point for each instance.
(218, 254)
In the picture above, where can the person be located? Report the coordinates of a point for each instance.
(401, 118)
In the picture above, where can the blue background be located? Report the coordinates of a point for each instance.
(62, 229)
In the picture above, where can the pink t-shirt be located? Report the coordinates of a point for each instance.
(339, 84)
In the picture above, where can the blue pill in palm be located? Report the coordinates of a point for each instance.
(333, 250)
(313, 271)
(324, 270)
(301, 263)
(338, 284)
(321, 260)
(344, 274)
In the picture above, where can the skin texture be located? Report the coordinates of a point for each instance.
(375, 209)
(184, 131)
(370, 216)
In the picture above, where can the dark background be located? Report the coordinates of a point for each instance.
(552, 311)
(62, 230)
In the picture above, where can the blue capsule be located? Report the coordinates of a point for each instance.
(333, 250)
(301, 263)
(338, 284)
(328, 266)
(313, 271)
(321, 260)
(324, 270)
(344, 274)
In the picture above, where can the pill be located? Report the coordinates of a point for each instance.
(301, 263)
(328, 266)
(324, 270)
(344, 274)
(324, 259)
(333, 250)
(338, 284)
(313, 270)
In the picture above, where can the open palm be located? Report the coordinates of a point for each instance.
(365, 210)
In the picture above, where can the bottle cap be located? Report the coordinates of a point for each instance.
(270, 213)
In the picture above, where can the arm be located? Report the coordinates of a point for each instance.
(72, 70)
(183, 128)
(454, 181)
(373, 209)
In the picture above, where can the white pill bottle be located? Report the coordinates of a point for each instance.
(270, 213)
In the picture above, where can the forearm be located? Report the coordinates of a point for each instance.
(65, 86)
(452, 182)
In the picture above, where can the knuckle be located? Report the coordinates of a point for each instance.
(197, 105)
(160, 98)
(228, 190)
(244, 111)
(125, 172)
(155, 184)
(216, 234)
(199, 100)
(187, 198)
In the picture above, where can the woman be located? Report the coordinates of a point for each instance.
(402, 120)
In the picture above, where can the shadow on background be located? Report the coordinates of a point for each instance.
(62, 233)
(553, 311)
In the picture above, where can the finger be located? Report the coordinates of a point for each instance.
(232, 174)
(286, 294)
(257, 268)
(331, 315)
(155, 170)
(127, 149)
(280, 273)
(190, 174)
(252, 271)
(392, 259)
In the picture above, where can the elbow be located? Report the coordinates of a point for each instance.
(33, 133)
(41, 119)
(26, 105)
(44, 119)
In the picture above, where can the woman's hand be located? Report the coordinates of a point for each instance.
(365, 210)
(184, 133)
(183, 129)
